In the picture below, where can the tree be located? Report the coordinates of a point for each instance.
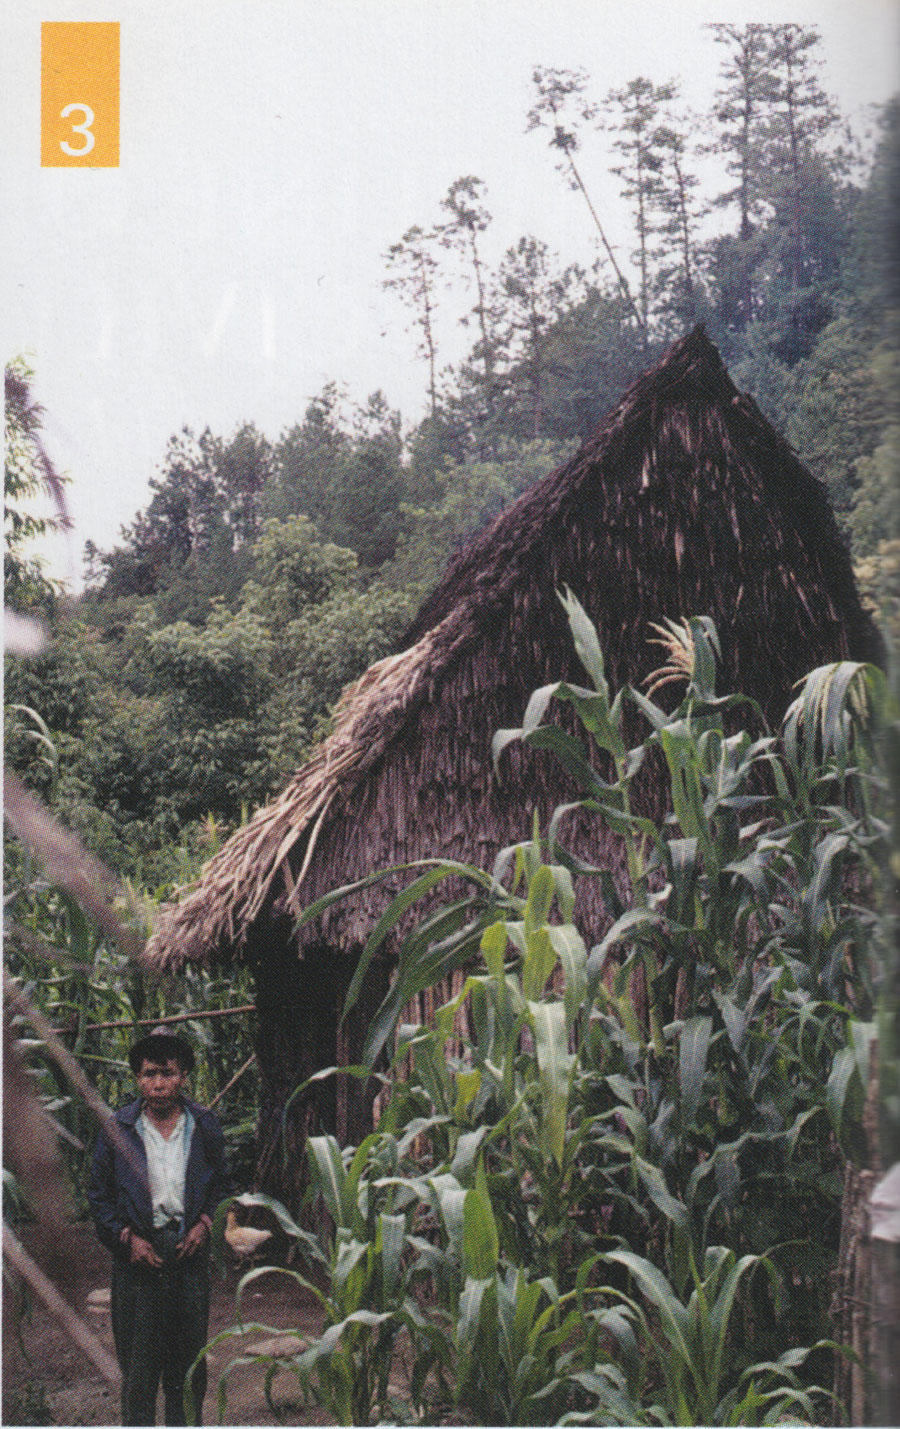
(413, 268)
(875, 519)
(467, 220)
(836, 410)
(471, 493)
(802, 115)
(871, 274)
(741, 112)
(533, 292)
(365, 484)
(184, 512)
(635, 113)
(219, 672)
(308, 461)
(28, 472)
(561, 107)
(593, 353)
(242, 465)
(676, 199)
(293, 571)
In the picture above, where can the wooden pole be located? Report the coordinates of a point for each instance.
(19, 1002)
(73, 1324)
(236, 1078)
(165, 1021)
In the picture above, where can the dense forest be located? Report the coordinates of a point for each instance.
(201, 662)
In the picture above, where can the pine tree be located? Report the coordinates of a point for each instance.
(679, 212)
(413, 268)
(802, 117)
(534, 295)
(467, 220)
(560, 107)
(634, 117)
(741, 111)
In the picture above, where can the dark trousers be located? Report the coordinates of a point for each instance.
(160, 1320)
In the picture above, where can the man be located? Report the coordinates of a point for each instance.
(154, 1188)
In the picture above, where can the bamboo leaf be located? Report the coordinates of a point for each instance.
(389, 918)
(838, 1086)
(493, 948)
(673, 1315)
(466, 1152)
(468, 1085)
(659, 1193)
(434, 963)
(451, 1199)
(635, 920)
(720, 1315)
(536, 708)
(469, 1313)
(571, 755)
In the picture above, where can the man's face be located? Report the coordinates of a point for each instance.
(160, 1084)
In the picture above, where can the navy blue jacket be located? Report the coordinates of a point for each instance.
(119, 1191)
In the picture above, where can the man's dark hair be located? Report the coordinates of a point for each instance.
(158, 1048)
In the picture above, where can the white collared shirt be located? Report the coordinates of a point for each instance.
(166, 1165)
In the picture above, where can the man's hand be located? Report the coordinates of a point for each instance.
(195, 1238)
(141, 1252)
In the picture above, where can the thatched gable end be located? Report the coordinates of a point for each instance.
(684, 501)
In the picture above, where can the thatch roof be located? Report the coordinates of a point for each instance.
(684, 501)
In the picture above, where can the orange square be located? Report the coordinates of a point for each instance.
(80, 95)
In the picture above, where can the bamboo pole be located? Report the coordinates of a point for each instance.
(237, 1076)
(19, 1002)
(165, 1021)
(73, 1324)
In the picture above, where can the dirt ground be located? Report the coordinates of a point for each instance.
(53, 1383)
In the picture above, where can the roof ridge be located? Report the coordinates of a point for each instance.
(693, 356)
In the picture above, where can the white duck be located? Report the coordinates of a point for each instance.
(245, 1241)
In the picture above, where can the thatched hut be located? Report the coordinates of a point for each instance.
(684, 501)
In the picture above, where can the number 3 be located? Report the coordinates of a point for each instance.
(83, 128)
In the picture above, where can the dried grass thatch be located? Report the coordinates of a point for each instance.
(684, 501)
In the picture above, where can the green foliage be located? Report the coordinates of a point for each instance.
(412, 268)
(532, 291)
(464, 497)
(83, 984)
(214, 640)
(27, 475)
(160, 724)
(688, 1356)
(836, 410)
(876, 512)
(878, 577)
(293, 570)
(215, 673)
(574, 1210)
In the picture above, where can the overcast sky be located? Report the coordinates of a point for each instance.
(270, 154)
